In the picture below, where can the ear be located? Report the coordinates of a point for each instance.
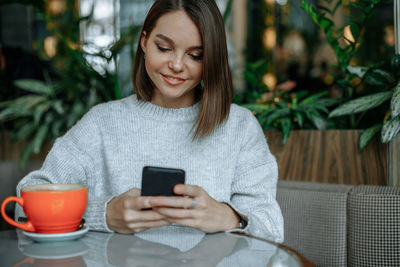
(143, 41)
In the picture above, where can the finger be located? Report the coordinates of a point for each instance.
(185, 222)
(173, 202)
(146, 225)
(175, 213)
(136, 203)
(188, 190)
(134, 192)
(146, 216)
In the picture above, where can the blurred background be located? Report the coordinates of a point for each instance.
(298, 65)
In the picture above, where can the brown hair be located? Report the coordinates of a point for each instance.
(216, 93)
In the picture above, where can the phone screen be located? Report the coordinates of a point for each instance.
(160, 181)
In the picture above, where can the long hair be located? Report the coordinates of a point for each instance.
(216, 92)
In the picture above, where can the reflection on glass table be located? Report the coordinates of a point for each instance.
(105, 249)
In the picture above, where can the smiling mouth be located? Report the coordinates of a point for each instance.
(173, 80)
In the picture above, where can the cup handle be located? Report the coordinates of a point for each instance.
(24, 226)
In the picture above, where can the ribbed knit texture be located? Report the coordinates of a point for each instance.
(108, 148)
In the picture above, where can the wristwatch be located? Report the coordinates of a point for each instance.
(242, 223)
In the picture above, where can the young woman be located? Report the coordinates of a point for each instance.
(180, 117)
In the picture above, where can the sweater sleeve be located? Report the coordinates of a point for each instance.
(254, 186)
(68, 162)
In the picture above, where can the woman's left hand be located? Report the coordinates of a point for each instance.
(195, 208)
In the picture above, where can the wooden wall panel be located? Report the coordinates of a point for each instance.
(330, 156)
(394, 161)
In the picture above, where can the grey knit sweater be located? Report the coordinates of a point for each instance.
(107, 149)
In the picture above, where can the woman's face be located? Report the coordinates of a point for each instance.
(173, 61)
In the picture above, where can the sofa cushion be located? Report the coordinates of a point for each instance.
(315, 220)
(374, 226)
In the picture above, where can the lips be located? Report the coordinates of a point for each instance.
(173, 80)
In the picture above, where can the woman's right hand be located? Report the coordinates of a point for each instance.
(125, 213)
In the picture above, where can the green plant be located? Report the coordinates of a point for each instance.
(253, 75)
(388, 99)
(46, 110)
(370, 94)
(289, 111)
(344, 48)
(282, 110)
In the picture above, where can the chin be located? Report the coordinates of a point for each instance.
(172, 94)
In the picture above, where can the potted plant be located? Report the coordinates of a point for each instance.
(368, 100)
(378, 85)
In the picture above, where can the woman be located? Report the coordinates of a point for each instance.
(180, 117)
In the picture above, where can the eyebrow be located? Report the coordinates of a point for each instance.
(170, 41)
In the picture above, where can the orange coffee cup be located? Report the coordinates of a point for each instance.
(50, 208)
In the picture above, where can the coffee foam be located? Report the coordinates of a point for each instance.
(53, 187)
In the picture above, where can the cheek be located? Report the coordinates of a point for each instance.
(197, 71)
(154, 62)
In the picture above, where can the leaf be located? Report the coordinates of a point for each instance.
(34, 86)
(361, 104)
(300, 94)
(390, 129)
(313, 98)
(286, 125)
(321, 108)
(39, 138)
(300, 118)
(359, 71)
(324, 9)
(56, 128)
(367, 135)
(256, 107)
(356, 5)
(6, 113)
(92, 99)
(250, 78)
(310, 10)
(25, 131)
(378, 77)
(355, 30)
(227, 10)
(281, 105)
(325, 24)
(326, 102)
(75, 114)
(25, 154)
(319, 122)
(57, 105)
(278, 114)
(395, 102)
(39, 111)
(5, 104)
(339, 2)
(20, 107)
(27, 102)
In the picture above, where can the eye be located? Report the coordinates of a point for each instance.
(162, 49)
(196, 57)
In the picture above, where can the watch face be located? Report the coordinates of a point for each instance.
(242, 224)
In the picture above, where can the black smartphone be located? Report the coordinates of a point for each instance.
(159, 181)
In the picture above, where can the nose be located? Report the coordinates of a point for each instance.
(176, 64)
